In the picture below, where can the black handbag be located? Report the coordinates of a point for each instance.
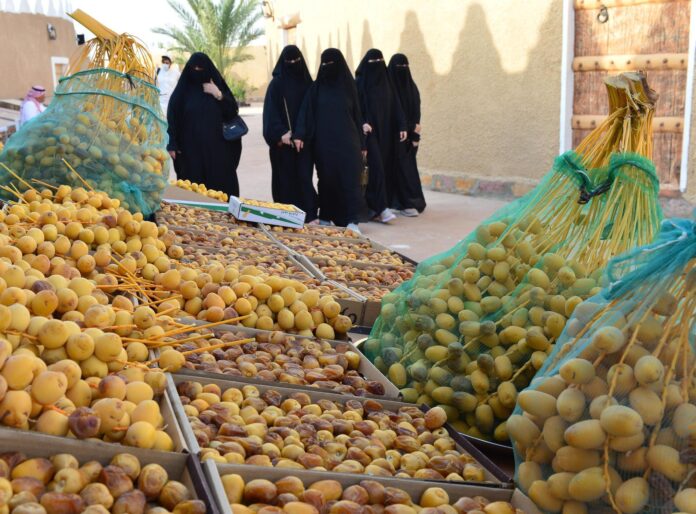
(235, 129)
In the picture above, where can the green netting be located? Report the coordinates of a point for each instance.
(475, 323)
(108, 127)
(609, 423)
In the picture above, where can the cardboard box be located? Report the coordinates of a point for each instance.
(373, 309)
(171, 427)
(181, 467)
(366, 369)
(415, 488)
(495, 477)
(310, 230)
(269, 215)
(174, 194)
(353, 307)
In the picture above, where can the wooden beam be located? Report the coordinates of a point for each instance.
(94, 26)
(628, 62)
(673, 124)
(596, 4)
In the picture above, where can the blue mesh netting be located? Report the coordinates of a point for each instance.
(474, 324)
(106, 125)
(609, 422)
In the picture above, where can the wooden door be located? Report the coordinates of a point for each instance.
(618, 35)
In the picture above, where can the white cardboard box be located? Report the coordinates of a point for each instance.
(256, 214)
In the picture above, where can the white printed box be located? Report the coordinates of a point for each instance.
(243, 210)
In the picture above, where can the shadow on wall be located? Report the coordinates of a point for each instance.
(477, 118)
(497, 117)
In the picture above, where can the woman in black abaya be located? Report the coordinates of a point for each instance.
(409, 192)
(384, 127)
(330, 120)
(199, 105)
(292, 170)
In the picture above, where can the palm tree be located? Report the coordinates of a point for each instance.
(219, 28)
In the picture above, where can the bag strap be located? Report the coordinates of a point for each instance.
(287, 114)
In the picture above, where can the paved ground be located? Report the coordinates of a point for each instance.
(447, 219)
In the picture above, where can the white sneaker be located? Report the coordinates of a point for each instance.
(387, 216)
(354, 228)
(410, 213)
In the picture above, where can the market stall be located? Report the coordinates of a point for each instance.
(206, 360)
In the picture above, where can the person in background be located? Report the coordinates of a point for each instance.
(409, 192)
(167, 77)
(292, 170)
(331, 121)
(32, 105)
(384, 126)
(199, 105)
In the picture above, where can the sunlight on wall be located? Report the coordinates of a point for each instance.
(488, 72)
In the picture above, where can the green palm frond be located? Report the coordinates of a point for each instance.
(220, 28)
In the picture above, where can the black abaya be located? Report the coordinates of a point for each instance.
(330, 119)
(291, 170)
(409, 192)
(381, 110)
(195, 128)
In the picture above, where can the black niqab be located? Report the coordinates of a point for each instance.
(330, 119)
(371, 72)
(287, 88)
(195, 128)
(291, 170)
(409, 192)
(381, 109)
(407, 91)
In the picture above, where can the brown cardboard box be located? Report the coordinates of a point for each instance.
(179, 466)
(171, 427)
(372, 311)
(495, 477)
(353, 307)
(366, 368)
(414, 487)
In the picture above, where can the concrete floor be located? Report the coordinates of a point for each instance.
(447, 219)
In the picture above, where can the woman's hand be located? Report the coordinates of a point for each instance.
(417, 129)
(172, 154)
(364, 153)
(286, 139)
(402, 136)
(367, 128)
(415, 144)
(299, 144)
(212, 89)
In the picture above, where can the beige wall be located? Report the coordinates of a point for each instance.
(254, 71)
(26, 51)
(488, 72)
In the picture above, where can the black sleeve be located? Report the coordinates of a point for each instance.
(418, 104)
(274, 120)
(304, 129)
(172, 144)
(362, 104)
(401, 124)
(413, 135)
(229, 106)
(358, 119)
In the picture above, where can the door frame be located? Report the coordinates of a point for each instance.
(688, 100)
(57, 60)
(567, 86)
(565, 136)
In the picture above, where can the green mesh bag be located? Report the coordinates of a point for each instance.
(103, 126)
(609, 422)
(475, 323)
